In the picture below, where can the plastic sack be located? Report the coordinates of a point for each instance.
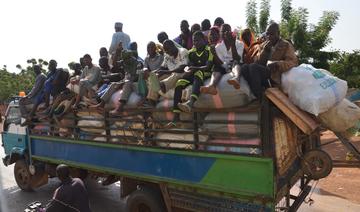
(313, 90)
(341, 117)
(227, 95)
(168, 116)
(74, 88)
(232, 128)
(178, 137)
(134, 98)
(89, 120)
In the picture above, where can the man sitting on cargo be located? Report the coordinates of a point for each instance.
(110, 86)
(71, 195)
(272, 57)
(199, 69)
(49, 83)
(88, 81)
(230, 52)
(76, 67)
(59, 91)
(130, 65)
(134, 48)
(175, 60)
(152, 62)
(185, 38)
(163, 36)
(35, 93)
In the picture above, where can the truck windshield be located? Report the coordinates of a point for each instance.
(13, 116)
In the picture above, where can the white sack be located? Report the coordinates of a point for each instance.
(313, 90)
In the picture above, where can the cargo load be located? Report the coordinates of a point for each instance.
(313, 90)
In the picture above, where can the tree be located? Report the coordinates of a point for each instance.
(347, 66)
(11, 83)
(285, 10)
(264, 15)
(308, 39)
(251, 14)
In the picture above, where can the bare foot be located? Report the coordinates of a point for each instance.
(208, 90)
(117, 110)
(234, 82)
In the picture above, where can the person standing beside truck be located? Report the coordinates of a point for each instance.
(71, 195)
(35, 92)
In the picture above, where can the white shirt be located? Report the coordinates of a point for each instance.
(181, 59)
(116, 39)
(226, 55)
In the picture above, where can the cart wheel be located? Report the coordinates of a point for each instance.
(22, 175)
(316, 164)
(145, 200)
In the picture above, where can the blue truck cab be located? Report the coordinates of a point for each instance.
(14, 136)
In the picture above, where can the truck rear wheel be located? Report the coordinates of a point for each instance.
(22, 175)
(316, 164)
(145, 200)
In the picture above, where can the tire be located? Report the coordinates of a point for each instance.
(145, 200)
(317, 164)
(22, 175)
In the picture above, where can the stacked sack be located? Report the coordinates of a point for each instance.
(228, 129)
(320, 93)
(164, 117)
(227, 96)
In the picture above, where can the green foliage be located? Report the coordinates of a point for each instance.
(309, 40)
(11, 83)
(347, 66)
(264, 15)
(251, 16)
(286, 10)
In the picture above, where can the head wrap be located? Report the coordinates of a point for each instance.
(118, 25)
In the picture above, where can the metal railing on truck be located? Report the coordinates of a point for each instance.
(232, 131)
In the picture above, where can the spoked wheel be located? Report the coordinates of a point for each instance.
(316, 164)
(22, 175)
(145, 200)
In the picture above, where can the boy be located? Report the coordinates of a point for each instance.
(199, 69)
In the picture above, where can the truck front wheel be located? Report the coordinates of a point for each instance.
(145, 200)
(22, 175)
(25, 180)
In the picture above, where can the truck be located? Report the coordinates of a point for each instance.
(248, 158)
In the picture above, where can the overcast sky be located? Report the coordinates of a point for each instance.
(65, 30)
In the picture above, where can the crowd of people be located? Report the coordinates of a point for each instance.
(200, 52)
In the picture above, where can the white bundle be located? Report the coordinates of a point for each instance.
(313, 90)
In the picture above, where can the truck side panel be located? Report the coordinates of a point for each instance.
(249, 176)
